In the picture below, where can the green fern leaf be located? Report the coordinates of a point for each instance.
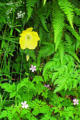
(3, 114)
(64, 76)
(43, 21)
(67, 8)
(58, 24)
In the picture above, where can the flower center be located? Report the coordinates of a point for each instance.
(28, 37)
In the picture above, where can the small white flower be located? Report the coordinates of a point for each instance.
(20, 14)
(33, 68)
(75, 101)
(24, 105)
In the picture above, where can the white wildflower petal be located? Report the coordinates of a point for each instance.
(30, 68)
(24, 102)
(24, 105)
(75, 101)
(33, 68)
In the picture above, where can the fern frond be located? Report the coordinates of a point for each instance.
(43, 21)
(69, 41)
(63, 76)
(48, 66)
(58, 24)
(75, 34)
(67, 8)
(73, 31)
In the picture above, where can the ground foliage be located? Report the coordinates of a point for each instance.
(57, 60)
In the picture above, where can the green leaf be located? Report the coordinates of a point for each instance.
(67, 8)
(58, 24)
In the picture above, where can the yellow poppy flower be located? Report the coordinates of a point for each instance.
(29, 39)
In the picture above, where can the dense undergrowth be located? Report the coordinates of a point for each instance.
(41, 83)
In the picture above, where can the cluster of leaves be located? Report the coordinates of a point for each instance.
(43, 102)
(56, 58)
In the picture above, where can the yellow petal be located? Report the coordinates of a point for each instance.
(31, 44)
(29, 39)
(29, 29)
(22, 43)
(27, 57)
(26, 31)
(36, 36)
